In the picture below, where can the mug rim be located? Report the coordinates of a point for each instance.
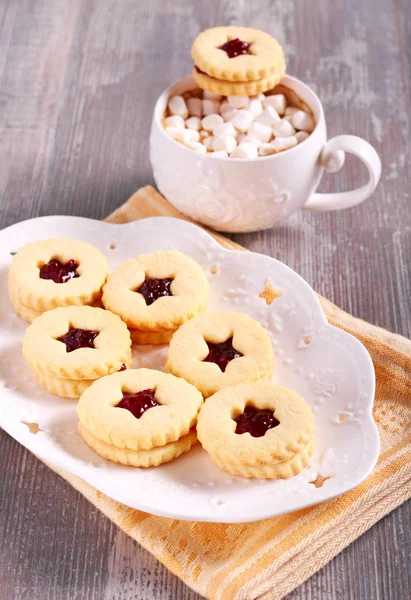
(318, 111)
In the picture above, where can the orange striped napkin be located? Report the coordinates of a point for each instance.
(268, 559)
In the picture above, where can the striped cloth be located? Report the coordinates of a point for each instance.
(268, 559)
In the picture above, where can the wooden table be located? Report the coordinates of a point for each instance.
(78, 84)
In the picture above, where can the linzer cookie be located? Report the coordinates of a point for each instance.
(238, 54)
(69, 348)
(155, 293)
(139, 417)
(257, 429)
(235, 88)
(220, 349)
(57, 272)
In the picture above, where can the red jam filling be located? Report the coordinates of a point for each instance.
(78, 338)
(122, 368)
(153, 289)
(221, 354)
(58, 272)
(256, 422)
(199, 70)
(235, 48)
(138, 403)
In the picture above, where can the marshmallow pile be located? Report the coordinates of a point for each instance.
(236, 126)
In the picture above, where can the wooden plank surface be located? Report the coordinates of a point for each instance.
(78, 83)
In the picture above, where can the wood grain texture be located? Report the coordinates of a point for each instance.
(78, 84)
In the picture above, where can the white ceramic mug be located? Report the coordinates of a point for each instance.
(240, 195)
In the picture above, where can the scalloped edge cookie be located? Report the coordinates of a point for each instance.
(44, 294)
(139, 458)
(282, 470)
(65, 388)
(266, 57)
(188, 349)
(189, 289)
(44, 353)
(151, 337)
(179, 402)
(237, 88)
(216, 425)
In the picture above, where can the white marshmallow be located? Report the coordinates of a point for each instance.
(242, 120)
(197, 147)
(259, 97)
(225, 129)
(192, 123)
(290, 110)
(277, 101)
(208, 142)
(225, 142)
(260, 131)
(228, 113)
(301, 136)
(266, 149)
(194, 135)
(248, 139)
(210, 107)
(211, 96)
(210, 121)
(219, 154)
(224, 106)
(302, 121)
(180, 135)
(283, 129)
(269, 116)
(283, 143)
(255, 107)
(174, 121)
(204, 134)
(195, 107)
(238, 101)
(245, 150)
(177, 106)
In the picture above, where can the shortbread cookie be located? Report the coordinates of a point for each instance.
(255, 424)
(151, 337)
(57, 272)
(139, 409)
(157, 292)
(283, 470)
(65, 388)
(25, 312)
(238, 54)
(139, 458)
(77, 342)
(220, 349)
(235, 88)
(29, 314)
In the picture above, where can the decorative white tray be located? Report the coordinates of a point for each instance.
(328, 367)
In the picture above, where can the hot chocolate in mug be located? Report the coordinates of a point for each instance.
(238, 195)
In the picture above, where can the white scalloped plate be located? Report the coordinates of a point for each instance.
(328, 367)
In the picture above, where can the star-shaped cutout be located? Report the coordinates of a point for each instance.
(319, 481)
(269, 293)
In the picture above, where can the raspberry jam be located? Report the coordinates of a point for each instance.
(199, 70)
(138, 403)
(221, 354)
(153, 289)
(235, 48)
(122, 368)
(58, 272)
(256, 422)
(78, 338)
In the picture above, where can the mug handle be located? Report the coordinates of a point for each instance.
(332, 159)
